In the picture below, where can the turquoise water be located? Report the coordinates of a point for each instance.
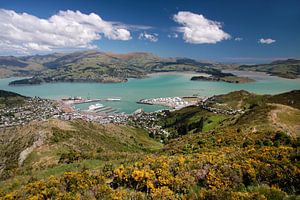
(159, 85)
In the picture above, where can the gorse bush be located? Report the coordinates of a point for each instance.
(220, 170)
(264, 173)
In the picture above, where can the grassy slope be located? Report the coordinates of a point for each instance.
(99, 66)
(286, 68)
(70, 146)
(8, 99)
(238, 157)
(289, 98)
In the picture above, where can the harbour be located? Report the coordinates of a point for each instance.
(124, 96)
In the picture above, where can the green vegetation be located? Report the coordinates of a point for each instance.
(96, 66)
(93, 66)
(289, 68)
(9, 99)
(288, 98)
(191, 119)
(228, 78)
(207, 156)
(70, 146)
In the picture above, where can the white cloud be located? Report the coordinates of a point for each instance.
(238, 39)
(197, 29)
(150, 37)
(24, 33)
(266, 41)
(173, 35)
(132, 27)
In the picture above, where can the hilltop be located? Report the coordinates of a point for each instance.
(238, 145)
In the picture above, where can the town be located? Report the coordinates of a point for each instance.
(42, 109)
(33, 109)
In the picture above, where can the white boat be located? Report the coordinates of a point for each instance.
(113, 99)
(95, 107)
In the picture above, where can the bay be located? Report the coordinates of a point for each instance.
(157, 85)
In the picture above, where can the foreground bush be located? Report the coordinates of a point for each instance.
(226, 173)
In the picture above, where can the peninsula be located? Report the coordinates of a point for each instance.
(229, 79)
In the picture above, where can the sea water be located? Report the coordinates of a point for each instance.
(157, 85)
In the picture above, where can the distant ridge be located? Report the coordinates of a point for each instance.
(289, 68)
(101, 66)
(96, 66)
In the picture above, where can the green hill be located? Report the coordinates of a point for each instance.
(94, 66)
(253, 154)
(291, 98)
(289, 68)
(40, 149)
(9, 99)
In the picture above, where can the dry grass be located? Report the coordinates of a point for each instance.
(286, 118)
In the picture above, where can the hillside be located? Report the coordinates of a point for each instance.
(94, 66)
(289, 68)
(291, 98)
(249, 154)
(52, 147)
(8, 99)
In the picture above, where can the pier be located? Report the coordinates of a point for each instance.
(172, 102)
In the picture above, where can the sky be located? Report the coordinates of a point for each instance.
(232, 31)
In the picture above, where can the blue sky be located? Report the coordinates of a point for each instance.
(229, 31)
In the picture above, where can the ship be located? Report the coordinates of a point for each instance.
(113, 99)
(95, 107)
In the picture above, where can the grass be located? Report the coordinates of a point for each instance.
(212, 122)
(289, 98)
(286, 68)
(287, 119)
(9, 99)
(80, 142)
(17, 181)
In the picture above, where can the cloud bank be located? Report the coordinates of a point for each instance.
(24, 33)
(266, 41)
(150, 37)
(197, 29)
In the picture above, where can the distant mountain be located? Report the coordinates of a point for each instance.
(18, 66)
(12, 61)
(95, 66)
(289, 68)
